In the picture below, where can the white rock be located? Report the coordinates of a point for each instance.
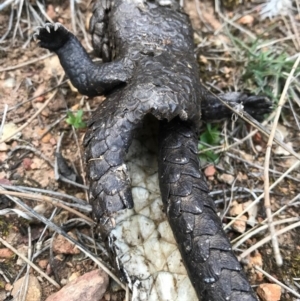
(145, 244)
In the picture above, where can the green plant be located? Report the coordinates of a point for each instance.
(76, 120)
(266, 68)
(209, 138)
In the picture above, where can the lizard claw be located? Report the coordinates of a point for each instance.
(35, 36)
(56, 26)
(51, 35)
(47, 27)
(37, 30)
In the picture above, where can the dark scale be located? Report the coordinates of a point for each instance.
(150, 68)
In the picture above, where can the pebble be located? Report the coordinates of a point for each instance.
(246, 20)
(9, 83)
(43, 263)
(3, 147)
(6, 253)
(210, 171)
(34, 290)
(226, 178)
(240, 224)
(22, 249)
(88, 287)
(269, 292)
(62, 246)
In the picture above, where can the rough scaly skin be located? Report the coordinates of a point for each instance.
(153, 71)
(212, 267)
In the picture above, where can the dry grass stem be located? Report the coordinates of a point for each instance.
(294, 166)
(267, 239)
(3, 119)
(56, 193)
(42, 198)
(270, 277)
(34, 115)
(27, 63)
(239, 240)
(259, 228)
(69, 238)
(267, 202)
(6, 244)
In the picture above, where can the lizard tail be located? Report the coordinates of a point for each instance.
(213, 268)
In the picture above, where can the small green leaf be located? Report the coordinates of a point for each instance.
(211, 136)
(76, 120)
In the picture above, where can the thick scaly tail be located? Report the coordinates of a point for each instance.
(206, 251)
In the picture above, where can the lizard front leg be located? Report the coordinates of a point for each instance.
(109, 135)
(89, 78)
(213, 109)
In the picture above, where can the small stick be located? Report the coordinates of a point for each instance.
(70, 239)
(43, 198)
(34, 115)
(6, 244)
(254, 231)
(33, 150)
(276, 281)
(294, 166)
(3, 119)
(26, 63)
(267, 239)
(55, 193)
(267, 202)
(257, 166)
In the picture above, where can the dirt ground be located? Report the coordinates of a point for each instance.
(32, 83)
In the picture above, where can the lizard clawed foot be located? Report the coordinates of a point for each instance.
(51, 36)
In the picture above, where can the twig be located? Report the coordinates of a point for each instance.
(56, 193)
(33, 150)
(34, 115)
(276, 281)
(230, 200)
(249, 119)
(64, 179)
(295, 165)
(260, 228)
(29, 255)
(80, 157)
(6, 244)
(294, 113)
(69, 238)
(258, 166)
(267, 202)
(42, 10)
(239, 240)
(57, 175)
(11, 17)
(21, 2)
(3, 119)
(6, 3)
(231, 22)
(27, 63)
(42, 198)
(267, 239)
(32, 98)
